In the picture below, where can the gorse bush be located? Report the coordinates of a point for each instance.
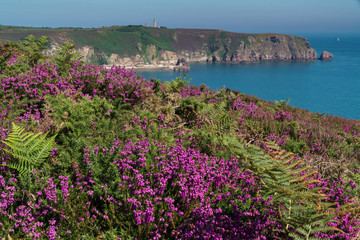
(105, 154)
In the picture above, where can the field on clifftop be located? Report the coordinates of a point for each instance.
(95, 153)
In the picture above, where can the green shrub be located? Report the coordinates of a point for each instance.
(33, 48)
(65, 56)
(298, 147)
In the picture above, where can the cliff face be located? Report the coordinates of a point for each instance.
(141, 47)
(236, 48)
(270, 48)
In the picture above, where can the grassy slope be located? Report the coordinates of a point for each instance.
(122, 40)
(215, 123)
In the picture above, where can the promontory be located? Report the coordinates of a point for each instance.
(148, 47)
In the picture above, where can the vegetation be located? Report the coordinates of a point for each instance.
(95, 153)
(124, 41)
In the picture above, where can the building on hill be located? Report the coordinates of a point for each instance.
(154, 24)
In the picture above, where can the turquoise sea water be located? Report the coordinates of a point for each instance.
(320, 86)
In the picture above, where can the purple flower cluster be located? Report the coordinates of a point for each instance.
(249, 110)
(177, 190)
(179, 193)
(90, 81)
(341, 193)
(282, 116)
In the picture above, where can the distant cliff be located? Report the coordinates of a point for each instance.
(147, 47)
(221, 46)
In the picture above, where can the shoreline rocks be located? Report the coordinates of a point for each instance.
(325, 55)
(182, 66)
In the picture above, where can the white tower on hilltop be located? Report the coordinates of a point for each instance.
(154, 23)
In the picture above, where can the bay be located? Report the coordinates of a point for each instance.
(320, 86)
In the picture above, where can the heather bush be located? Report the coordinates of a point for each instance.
(138, 159)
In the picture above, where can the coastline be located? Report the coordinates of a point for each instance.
(144, 67)
(171, 68)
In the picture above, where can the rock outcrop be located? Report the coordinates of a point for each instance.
(272, 48)
(182, 66)
(325, 55)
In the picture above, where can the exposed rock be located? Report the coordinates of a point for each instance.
(115, 59)
(168, 56)
(273, 47)
(182, 66)
(251, 39)
(325, 55)
(275, 39)
(151, 52)
(226, 58)
(52, 49)
(87, 52)
(196, 55)
(213, 59)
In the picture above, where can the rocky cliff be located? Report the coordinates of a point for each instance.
(238, 48)
(146, 47)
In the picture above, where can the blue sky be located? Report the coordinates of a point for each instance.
(282, 16)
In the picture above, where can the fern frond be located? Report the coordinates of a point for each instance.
(219, 119)
(301, 210)
(28, 149)
(45, 147)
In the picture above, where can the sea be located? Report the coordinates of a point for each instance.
(330, 87)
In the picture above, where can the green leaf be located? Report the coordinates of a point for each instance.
(28, 149)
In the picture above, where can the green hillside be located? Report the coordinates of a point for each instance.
(124, 40)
